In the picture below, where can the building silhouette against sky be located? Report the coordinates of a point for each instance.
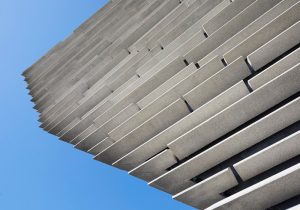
(199, 98)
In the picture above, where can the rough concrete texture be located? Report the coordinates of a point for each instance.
(200, 98)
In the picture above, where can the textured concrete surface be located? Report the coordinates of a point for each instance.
(199, 98)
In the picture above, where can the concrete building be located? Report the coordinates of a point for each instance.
(199, 98)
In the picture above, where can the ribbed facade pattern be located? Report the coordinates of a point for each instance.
(199, 98)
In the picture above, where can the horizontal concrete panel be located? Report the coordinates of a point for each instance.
(265, 34)
(232, 27)
(83, 135)
(266, 193)
(275, 47)
(180, 46)
(208, 191)
(155, 166)
(268, 95)
(269, 157)
(101, 146)
(166, 86)
(102, 131)
(141, 134)
(231, 146)
(193, 35)
(251, 28)
(198, 98)
(99, 109)
(169, 32)
(146, 84)
(148, 111)
(156, 31)
(225, 15)
(160, 141)
(275, 70)
(199, 9)
(217, 83)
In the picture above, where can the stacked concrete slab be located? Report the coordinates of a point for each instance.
(199, 98)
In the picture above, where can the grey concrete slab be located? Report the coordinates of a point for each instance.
(275, 70)
(61, 61)
(91, 115)
(183, 44)
(96, 50)
(181, 17)
(72, 72)
(96, 88)
(126, 88)
(225, 15)
(193, 35)
(49, 119)
(95, 98)
(199, 9)
(131, 20)
(156, 30)
(99, 71)
(143, 26)
(163, 88)
(76, 120)
(64, 95)
(95, 136)
(195, 78)
(228, 30)
(275, 47)
(113, 19)
(208, 191)
(125, 63)
(248, 107)
(217, 83)
(125, 19)
(160, 141)
(249, 29)
(146, 112)
(125, 72)
(102, 131)
(76, 36)
(141, 134)
(266, 193)
(35, 90)
(65, 118)
(85, 122)
(83, 134)
(120, 117)
(269, 157)
(155, 166)
(101, 146)
(85, 104)
(146, 84)
(265, 34)
(231, 146)
(67, 44)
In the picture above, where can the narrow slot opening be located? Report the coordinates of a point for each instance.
(186, 62)
(224, 62)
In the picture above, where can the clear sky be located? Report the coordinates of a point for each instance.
(37, 171)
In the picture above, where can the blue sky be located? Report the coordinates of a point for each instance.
(37, 171)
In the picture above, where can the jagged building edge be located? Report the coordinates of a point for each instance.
(199, 98)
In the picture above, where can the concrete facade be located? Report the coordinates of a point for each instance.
(199, 98)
